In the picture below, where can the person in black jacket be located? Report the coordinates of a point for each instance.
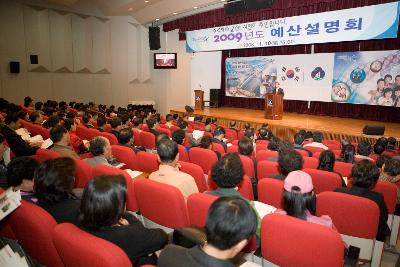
(218, 135)
(17, 145)
(103, 214)
(365, 175)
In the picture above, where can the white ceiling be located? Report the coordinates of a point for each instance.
(148, 12)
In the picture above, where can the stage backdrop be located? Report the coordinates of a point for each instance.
(352, 77)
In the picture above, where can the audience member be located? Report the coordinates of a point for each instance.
(75, 141)
(327, 163)
(36, 118)
(300, 200)
(348, 153)
(391, 148)
(169, 173)
(87, 120)
(53, 183)
(245, 146)
(317, 141)
(137, 123)
(264, 134)
(206, 143)
(365, 176)
(232, 126)
(391, 173)
(17, 145)
(169, 119)
(103, 214)
(28, 102)
(151, 123)
(289, 160)
(116, 126)
(230, 223)
(382, 159)
(101, 123)
(179, 137)
(218, 136)
(39, 107)
(298, 143)
(52, 121)
(363, 150)
(273, 144)
(184, 126)
(20, 172)
(379, 148)
(249, 133)
(61, 140)
(125, 138)
(101, 149)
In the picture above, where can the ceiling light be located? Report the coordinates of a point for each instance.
(195, 7)
(222, 0)
(157, 19)
(174, 13)
(146, 1)
(130, 9)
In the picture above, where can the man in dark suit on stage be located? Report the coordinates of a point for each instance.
(278, 90)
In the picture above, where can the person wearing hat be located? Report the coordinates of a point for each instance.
(300, 200)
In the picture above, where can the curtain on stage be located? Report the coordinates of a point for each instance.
(288, 8)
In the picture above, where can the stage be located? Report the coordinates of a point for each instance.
(331, 127)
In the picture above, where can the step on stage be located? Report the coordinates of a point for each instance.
(332, 127)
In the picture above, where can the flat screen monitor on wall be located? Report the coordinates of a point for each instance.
(165, 60)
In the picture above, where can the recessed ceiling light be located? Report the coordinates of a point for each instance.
(174, 13)
(195, 7)
(146, 1)
(223, 0)
(157, 19)
(130, 9)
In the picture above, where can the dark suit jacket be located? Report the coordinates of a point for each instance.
(280, 91)
(383, 228)
(215, 140)
(16, 143)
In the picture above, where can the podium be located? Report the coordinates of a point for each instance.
(273, 106)
(198, 99)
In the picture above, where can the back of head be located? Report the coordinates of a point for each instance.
(97, 145)
(228, 172)
(249, 133)
(167, 151)
(101, 121)
(34, 116)
(273, 143)
(161, 137)
(179, 136)
(68, 123)
(205, 142)
(229, 221)
(245, 146)
(57, 133)
(247, 126)
(318, 137)
(391, 144)
(19, 169)
(298, 139)
(392, 167)
(11, 117)
(232, 124)
(169, 118)
(208, 121)
(364, 148)
(103, 201)
(382, 159)
(182, 124)
(382, 140)
(218, 131)
(365, 174)
(52, 121)
(151, 123)
(290, 160)
(326, 161)
(348, 153)
(124, 136)
(27, 101)
(86, 117)
(54, 180)
(262, 132)
(38, 106)
(379, 148)
(308, 135)
(115, 122)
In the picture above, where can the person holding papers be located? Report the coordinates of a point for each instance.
(61, 139)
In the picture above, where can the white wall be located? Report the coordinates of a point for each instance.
(81, 57)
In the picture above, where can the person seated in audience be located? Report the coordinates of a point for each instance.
(179, 137)
(378, 150)
(327, 163)
(214, 122)
(3, 167)
(391, 173)
(20, 172)
(52, 121)
(232, 126)
(116, 125)
(151, 123)
(348, 153)
(101, 123)
(53, 184)
(227, 174)
(300, 200)
(317, 141)
(382, 159)
(206, 143)
(289, 160)
(161, 137)
(75, 141)
(231, 222)
(308, 136)
(103, 214)
(247, 126)
(61, 140)
(101, 149)
(39, 107)
(273, 144)
(125, 119)
(298, 143)
(391, 148)
(264, 134)
(28, 103)
(365, 175)
(184, 126)
(363, 150)
(17, 145)
(169, 119)
(169, 173)
(137, 123)
(125, 138)
(249, 133)
(245, 146)
(36, 118)
(218, 136)
(87, 120)
(207, 125)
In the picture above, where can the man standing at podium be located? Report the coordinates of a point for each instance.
(278, 90)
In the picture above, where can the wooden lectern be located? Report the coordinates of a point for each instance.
(273, 106)
(198, 99)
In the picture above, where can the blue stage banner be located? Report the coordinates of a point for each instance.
(364, 23)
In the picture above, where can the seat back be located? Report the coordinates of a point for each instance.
(198, 205)
(219, 148)
(82, 132)
(302, 152)
(131, 202)
(92, 133)
(205, 158)
(230, 135)
(196, 172)
(136, 137)
(164, 131)
(78, 248)
(343, 168)
(389, 192)
(33, 227)
(324, 180)
(183, 154)
(332, 144)
(270, 191)
(245, 188)
(317, 245)
(248, 165)
(161, 203)
(232, 149)
(125, 155)
(310, 163)
(314, 149)
(147, 162)
(111, 137)
(266, 154)
(83, 173)
(267, 169)
(148, 140)
(46, 154)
